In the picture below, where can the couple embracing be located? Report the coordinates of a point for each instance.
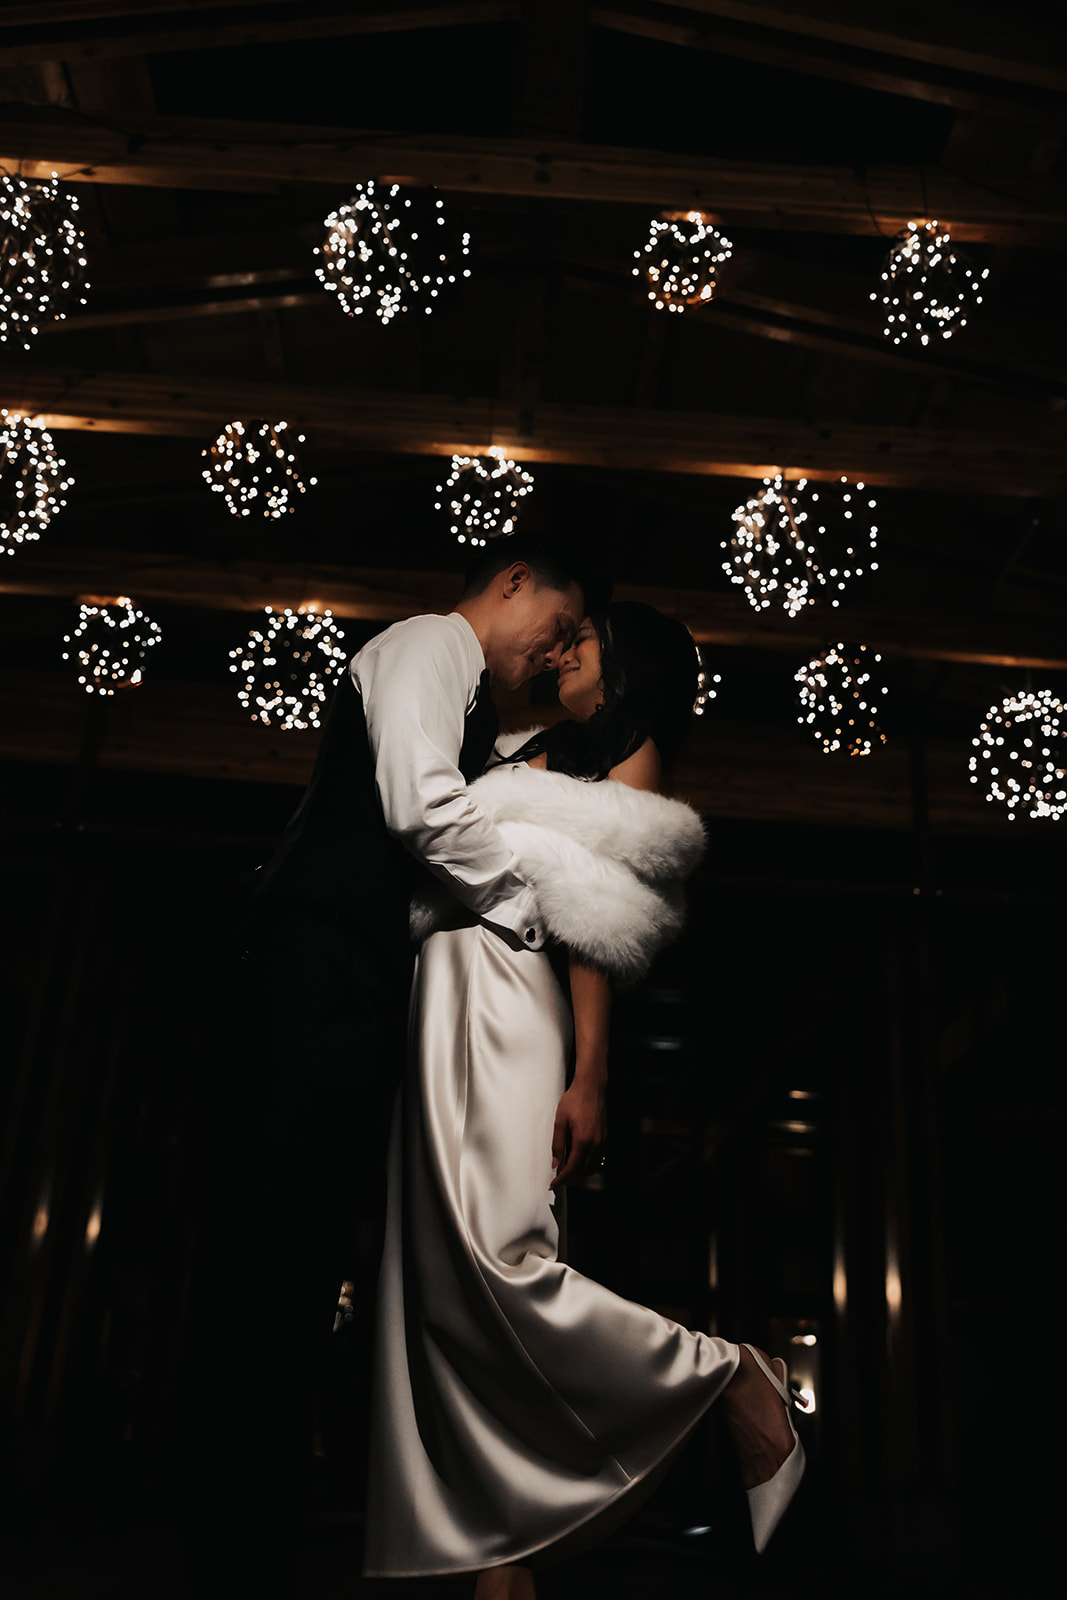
(519, 1409)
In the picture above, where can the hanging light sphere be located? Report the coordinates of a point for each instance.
(1021, 752)
(795, 542)
(390, 249)
(839, 701)
(110, 644)
(42, 256)
(483, 495)
(930, 288)
(680, 261)
(288, 665)
(32, 482)
(252, 466)
(706, 684)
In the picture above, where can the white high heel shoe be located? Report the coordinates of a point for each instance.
(767, 1502)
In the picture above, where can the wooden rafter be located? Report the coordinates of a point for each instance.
(151, 31)
(184, 152)
(757, 34)
(823, 58)
(951, 34)
(606, 436)
(385, 595)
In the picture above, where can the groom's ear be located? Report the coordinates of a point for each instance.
(515, 578)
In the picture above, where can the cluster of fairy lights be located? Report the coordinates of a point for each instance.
(389, 248)
(794, 541)
(483, 495)
(110, 644)
(839, 701)
(930, 287)
(288, 665)
(706, 681)
(251, 465)
(1021, 753)
(680, 260)
(42, 261)
(32, 482)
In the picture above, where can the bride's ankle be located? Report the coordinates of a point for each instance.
(758, 1421)
(505, 1583)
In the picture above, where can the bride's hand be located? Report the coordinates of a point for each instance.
(579, 1133)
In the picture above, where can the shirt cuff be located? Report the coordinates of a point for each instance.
(518, 921)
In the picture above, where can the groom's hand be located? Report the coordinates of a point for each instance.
(579, 1133)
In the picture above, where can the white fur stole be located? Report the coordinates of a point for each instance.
(606, 862)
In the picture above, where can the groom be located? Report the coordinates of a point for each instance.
(320, 1044)
(411, 724)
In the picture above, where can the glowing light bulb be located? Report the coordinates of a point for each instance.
(482, 496)
(32, 481)
(289, 667)
(831, 694)
(251, 465)
(680, 260)
(781, 555)
(110, 644)
(42, 256)
(1037, 785)
(930, 287)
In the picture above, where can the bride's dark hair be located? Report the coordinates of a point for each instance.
(649, 668)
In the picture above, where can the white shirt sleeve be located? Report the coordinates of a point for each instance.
(417, 681)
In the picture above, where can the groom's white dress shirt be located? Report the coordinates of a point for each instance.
(417, 681)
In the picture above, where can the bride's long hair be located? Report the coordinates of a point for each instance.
(649, 669)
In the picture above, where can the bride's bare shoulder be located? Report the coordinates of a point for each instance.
(541, 761)
(642, 770)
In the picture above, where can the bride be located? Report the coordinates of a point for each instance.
(521, 1410)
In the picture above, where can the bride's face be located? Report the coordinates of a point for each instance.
(581, 688)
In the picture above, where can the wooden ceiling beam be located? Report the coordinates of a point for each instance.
(152, 32)
(95, 32)
(883, 73)
(184, 152)
(954, 33)
(370, 594)
(138, 315)
(1031, 462)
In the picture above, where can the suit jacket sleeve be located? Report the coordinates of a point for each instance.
(417, 681)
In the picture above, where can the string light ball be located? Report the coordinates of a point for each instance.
(42, 256)
(930, 286)
(839, 700)
(32, 481)
(680, 261)
(388, 249)
(110, 644)
(794, 542)
(1021, 753)
(251, 465)
(706, 682)
(483, 496)
(289, 664)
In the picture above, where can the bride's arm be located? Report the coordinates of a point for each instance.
(581, 1127)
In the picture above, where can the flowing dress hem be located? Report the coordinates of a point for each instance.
(661, 1462)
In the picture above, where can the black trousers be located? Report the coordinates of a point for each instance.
(296, 1085)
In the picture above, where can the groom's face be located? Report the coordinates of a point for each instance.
(537, 624)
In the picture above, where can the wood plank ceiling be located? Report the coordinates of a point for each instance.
(207, 141)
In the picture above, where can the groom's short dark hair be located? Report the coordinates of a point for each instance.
(553, 564)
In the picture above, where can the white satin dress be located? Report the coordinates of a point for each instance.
(518, 1405)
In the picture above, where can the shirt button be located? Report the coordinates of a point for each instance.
(531, 935)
